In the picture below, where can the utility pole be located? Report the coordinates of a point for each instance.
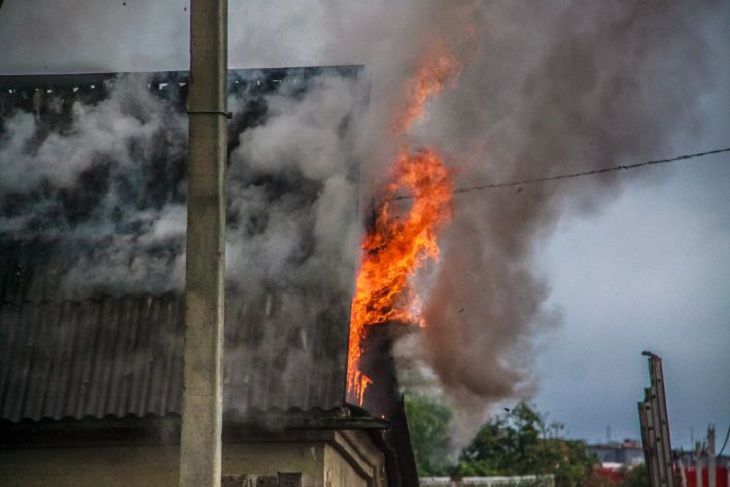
(655, 427)
(200, 444)
(698, 464)
(711, 467)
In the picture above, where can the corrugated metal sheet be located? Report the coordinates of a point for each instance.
(109, 357)
(63, 355)
(123, 356)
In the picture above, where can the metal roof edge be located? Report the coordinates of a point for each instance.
(131, 429)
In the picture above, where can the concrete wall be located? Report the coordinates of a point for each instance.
(99, 466)
(326, 459)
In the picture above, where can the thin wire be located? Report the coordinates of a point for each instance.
(592, 172)
(724, 444)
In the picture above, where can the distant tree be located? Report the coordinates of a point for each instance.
(430, 427)
(573, 463)
(637, 476)
(517, 443)
(507, 445)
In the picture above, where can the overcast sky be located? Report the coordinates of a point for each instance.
(650, 270)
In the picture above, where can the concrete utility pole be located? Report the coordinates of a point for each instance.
(200, 445)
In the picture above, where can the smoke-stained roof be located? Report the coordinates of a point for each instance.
(79, 337)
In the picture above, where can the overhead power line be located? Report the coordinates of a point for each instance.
(592, 172)
(727, 436)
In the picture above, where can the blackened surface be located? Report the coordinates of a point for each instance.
(402, 463)
(382, 395)
(384, 399)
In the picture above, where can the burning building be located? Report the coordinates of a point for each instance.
(91, 309)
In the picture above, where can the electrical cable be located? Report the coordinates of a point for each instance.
(592, 172)
(727, 436)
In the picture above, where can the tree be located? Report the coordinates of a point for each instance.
(429, 423)
(516, 443)
(637, 476)
(507, 445)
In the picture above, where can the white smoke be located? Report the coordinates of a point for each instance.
(304, 139)
(111, 179)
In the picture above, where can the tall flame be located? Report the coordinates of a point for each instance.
(399, 240)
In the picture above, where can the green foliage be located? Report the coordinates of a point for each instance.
(508, 443)
(573, 464)
(637, 476)
(514, 443)
(429, 424)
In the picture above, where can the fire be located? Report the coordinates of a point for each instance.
(400, 239)
(430, 80)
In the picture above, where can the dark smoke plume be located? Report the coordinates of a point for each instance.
(551, 88)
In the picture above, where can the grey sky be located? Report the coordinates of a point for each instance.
(650, 270)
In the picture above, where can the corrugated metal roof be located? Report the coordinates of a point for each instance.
(120, 356)
(68, 356)
(108, 357)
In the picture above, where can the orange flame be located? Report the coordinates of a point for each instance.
(430, 80)
(400, 241)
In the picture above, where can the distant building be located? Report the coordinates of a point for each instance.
(627, 452)
(688, 462)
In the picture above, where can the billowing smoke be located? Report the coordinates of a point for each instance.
(550, 88)
(105, 180)
(544, 88)
(299, 234)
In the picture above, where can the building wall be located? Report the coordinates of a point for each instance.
(332, 459)
(626, 453)
(109, 466)
(352, 460)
